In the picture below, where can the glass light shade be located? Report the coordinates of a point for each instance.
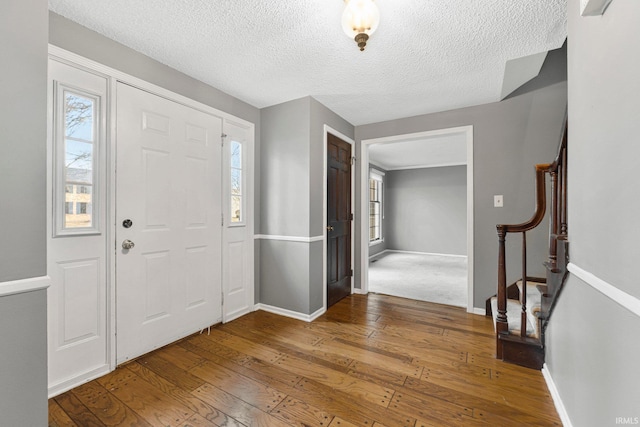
(360, 16)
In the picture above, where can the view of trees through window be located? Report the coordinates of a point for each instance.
(236, 182)
(79, 146)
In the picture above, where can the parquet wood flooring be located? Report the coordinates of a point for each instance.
(370, 361)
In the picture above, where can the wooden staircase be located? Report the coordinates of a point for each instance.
(522, 311)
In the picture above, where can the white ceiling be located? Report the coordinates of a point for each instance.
(424, 152)
(426, 56)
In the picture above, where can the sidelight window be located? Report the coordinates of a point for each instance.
(375, 206)
(236, 181)
(76, 148)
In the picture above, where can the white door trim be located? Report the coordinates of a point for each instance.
(327, 129)
(114, 76)
(364, 200)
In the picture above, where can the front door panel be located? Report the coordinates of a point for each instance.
(168, 207)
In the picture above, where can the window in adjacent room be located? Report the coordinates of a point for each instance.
(376, 211)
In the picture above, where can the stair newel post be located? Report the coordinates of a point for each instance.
(523, 296)
(501, 319)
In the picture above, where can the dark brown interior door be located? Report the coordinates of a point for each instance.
(338, 219)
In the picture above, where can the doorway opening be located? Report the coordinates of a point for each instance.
(417, 216)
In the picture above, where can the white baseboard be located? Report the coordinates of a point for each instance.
(422, 253)
(24, 285)
(290, 313)
(378, 254)
(359, 291)
(479, 311)
(557, 401)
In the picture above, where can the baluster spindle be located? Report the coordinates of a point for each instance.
(501, 319)
(523, 296)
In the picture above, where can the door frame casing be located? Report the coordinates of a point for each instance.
(113, 77)
(325, 194)
(364, 201)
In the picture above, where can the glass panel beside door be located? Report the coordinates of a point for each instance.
(76, 148)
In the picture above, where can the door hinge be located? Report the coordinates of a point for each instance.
(351, 273)
(353, 160)
(223, 136)
(222, 219)
(350, 217)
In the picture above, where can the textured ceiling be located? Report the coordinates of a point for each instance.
(426, 56)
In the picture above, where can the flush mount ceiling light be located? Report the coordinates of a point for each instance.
(359, 20)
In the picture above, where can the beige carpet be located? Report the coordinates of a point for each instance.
(435, 278)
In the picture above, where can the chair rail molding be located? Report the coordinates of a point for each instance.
(288, 238)
(626, 300)
(21, 286)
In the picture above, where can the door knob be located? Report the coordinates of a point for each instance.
(330, 228)
(128, 244)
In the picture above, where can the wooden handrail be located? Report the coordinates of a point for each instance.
(541, 204)
(558, 226)
(502, 324)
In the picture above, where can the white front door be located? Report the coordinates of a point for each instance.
(77, 300)
(168, 204)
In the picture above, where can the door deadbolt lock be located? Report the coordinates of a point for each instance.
(128, 244)
(127, 223)
(330, 228)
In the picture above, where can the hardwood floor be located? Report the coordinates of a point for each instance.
(369, 361)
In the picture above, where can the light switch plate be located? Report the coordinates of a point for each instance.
(497, 201)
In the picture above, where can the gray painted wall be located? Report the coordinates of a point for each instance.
(427, 210)
(284, 189)
(384, 245)
(23, 130)
(292, 200)
(23, 354)
(284, 165)
(23, 136)
(593, 343)
(284, 269)
(510, 137)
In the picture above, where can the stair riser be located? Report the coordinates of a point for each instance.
(529, 356)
